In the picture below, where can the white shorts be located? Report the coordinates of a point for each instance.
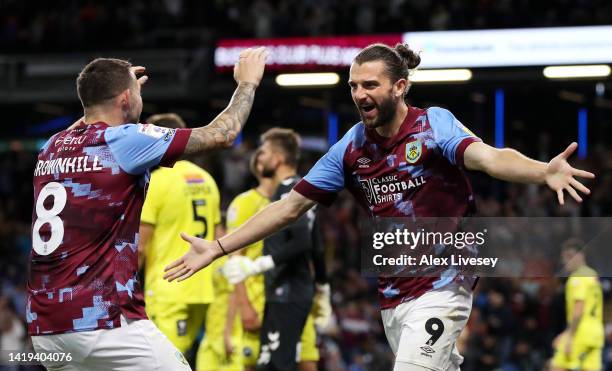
(136, 345)
(423, 331)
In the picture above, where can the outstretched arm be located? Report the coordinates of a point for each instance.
(224, 129)
(271, 219)
(510, 165)
(266, 222)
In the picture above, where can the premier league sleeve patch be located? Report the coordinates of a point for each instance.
(152, 130)
(414, 149)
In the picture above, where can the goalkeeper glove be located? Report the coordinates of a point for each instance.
(238, 268)
(322, 309)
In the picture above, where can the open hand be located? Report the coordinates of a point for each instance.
(560, 176)
(200, 254)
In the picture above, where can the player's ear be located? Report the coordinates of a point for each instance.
(125, 102)
(400, 87)
(125, 98)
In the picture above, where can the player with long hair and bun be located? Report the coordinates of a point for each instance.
(424, 151)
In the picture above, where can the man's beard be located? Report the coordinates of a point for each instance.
(386, 113)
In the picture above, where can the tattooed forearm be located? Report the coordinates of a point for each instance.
(224, 129)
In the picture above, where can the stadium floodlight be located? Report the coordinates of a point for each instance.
(570, 72)
(308, 79)
(457, 74)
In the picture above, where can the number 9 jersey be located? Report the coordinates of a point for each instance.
(89, 187)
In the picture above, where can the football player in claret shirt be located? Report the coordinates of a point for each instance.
(400, 161)
(84, 294)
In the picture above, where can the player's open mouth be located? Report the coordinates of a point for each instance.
(368, 109)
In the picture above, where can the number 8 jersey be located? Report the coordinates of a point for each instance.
(89, 187)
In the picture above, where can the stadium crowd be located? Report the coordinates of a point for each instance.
(70, 25)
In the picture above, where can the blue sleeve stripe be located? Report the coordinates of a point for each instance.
(328, 173)
(136, 148)
(448, 132)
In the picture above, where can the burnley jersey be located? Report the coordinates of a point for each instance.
(415, 173)
(89, 187)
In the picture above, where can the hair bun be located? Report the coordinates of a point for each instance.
(412, 59)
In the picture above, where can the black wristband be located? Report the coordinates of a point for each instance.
(221, 247)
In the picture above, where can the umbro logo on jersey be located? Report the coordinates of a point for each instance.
(427, 349)
(364, 162)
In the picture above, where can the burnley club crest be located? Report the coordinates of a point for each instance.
(414, 148)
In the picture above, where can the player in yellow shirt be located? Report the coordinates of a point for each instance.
(251, 292)
(579, 347)
(184, 198)
(236, 309)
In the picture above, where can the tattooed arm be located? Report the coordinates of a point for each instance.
(224, 129)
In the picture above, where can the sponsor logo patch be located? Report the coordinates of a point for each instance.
(152, 130)
(388, 188)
